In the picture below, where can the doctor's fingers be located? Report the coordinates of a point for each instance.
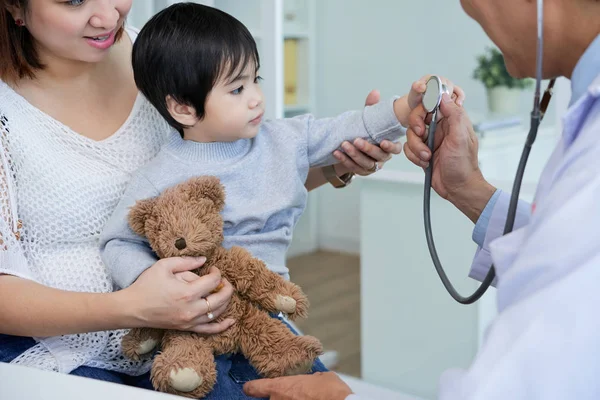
(456, 92)
(458, 95)
(415, 150)
(417, 119)
(456, 121)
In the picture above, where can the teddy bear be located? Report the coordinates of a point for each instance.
(185, 220)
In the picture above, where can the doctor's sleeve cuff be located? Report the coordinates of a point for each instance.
(484, 219)
(494, 229)
(481, 265)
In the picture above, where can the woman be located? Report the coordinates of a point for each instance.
(73, 129)
(544, 343)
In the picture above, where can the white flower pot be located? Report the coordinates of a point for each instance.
(503, 101)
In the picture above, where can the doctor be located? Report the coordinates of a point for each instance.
(545, 341)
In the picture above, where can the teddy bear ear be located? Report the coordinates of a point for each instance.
(208, 187)
(139, 213)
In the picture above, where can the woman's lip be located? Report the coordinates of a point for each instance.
(105, 44)
(100, 35)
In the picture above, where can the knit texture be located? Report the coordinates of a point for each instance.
(57, 190)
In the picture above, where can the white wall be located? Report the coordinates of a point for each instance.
(383, 44)
(387, 44)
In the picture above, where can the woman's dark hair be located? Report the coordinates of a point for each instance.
(18, 56)
(184, 50)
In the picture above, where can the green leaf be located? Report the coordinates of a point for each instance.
(491, 71)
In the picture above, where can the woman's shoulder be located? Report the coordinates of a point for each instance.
(5, 92)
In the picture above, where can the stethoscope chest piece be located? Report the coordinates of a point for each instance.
(433, 94)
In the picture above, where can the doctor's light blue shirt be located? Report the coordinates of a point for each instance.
(544, 343)
(584, 74)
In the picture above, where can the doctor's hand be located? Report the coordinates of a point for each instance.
(456, 175)
(319, 386)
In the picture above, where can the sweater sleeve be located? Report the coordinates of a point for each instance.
(12, 255)
(325, 135)
(125, 253)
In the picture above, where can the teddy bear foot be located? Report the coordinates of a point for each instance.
(285, 304)
(184, 380)
(188, 383)
(135, 350)
(300, 360)
(302, 368)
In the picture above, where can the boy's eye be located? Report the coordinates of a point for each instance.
(238, 90)
(258, 79)
(75, 3)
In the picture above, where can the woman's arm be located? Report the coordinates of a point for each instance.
(30, 309)
(165, 296)
(358, 157)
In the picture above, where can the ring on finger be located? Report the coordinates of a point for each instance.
(209, 313)
(375, 167)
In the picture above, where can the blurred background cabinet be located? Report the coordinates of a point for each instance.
(284, 31)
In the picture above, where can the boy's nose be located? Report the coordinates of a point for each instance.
(256, 102)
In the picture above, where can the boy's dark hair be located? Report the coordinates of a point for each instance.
(184, 50)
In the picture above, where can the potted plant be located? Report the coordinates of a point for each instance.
(503, 91)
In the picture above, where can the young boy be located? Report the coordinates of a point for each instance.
(199, 67)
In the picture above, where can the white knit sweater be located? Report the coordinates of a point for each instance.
(57, 190)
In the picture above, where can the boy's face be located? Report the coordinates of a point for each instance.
(234, 108)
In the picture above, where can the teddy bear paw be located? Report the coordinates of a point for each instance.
(285, 304)
(135, 350)
(147, 346)
(307, 350)
(184, 380)
(300, 368)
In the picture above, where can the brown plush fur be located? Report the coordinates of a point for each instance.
(191, 211)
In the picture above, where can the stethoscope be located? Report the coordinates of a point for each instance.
(431, 102)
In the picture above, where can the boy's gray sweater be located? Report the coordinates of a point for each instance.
(263, 178)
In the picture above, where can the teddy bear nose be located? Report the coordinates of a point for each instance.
(180, 244)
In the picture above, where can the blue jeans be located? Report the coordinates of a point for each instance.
(232, 371)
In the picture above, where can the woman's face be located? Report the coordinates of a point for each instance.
(79, 30)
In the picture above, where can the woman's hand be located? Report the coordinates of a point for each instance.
(318, 386)
(360, 156)
(456, 175)
(169, 296)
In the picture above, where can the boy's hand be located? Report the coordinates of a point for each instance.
(404, 105)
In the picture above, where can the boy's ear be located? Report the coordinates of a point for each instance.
(184, 114)
(138, 215)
